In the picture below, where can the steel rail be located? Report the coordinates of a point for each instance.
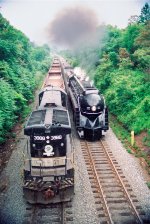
(36, 208)
(99, 185)
(127, 194)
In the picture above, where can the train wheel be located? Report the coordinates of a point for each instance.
(100, 135)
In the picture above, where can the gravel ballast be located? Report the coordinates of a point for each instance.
(132, 169)
(13, 206)
(84, 206)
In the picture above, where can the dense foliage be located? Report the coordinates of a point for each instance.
(122, 72)
(123, 76)
(19, 62)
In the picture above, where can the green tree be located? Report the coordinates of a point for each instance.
(122, 73)
(145, 14)
(114, 58)
(124, 57)
(143, 39)
(129, 36)
(19, 65)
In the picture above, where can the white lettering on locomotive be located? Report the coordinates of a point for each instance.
(52, 138)
(56, 137)
(39, 138)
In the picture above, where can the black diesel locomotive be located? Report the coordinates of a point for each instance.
(48, 169)
(89, 109)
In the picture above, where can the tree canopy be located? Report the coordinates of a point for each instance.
(122, 70)
(19, 62)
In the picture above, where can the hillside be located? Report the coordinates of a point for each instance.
(21, 66)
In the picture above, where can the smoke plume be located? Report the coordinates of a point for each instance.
(72, 26)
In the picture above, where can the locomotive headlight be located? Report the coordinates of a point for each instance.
(93, 108)
(48, 150)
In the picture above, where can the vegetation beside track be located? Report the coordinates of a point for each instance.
(22, 64)
(138, 149)
(119, 64)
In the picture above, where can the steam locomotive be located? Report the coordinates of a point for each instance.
(90, 112)
(48, 168)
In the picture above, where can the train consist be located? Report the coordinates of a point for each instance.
(89, 109)
(48, 168)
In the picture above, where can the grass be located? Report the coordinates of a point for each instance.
(125, 137)
(119, 130)
(148, 184)
(146, 139)
(13, 135)
(26, 113)
(129, 151)
(39, 79)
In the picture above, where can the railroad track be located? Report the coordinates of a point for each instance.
(114, 198)
(49, 214)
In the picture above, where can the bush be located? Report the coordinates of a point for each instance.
(19, 62)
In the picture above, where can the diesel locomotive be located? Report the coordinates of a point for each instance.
(48, 168)
(90, 112)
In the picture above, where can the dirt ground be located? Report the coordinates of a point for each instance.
(6, 149)
(10, 145)
(139, 142)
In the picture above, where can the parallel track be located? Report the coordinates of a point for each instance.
(46, 214)
(114, 197)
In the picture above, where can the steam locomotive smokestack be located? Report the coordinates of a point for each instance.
(72, 26)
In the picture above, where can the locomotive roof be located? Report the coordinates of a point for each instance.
(51, 98)
(51, 120)
(52, 88)
(83, 87)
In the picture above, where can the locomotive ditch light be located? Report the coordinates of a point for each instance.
(93, 108)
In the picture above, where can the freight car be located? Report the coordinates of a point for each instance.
(89, 109)
(48, 169)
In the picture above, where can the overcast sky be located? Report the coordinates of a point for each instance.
(33, 16)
